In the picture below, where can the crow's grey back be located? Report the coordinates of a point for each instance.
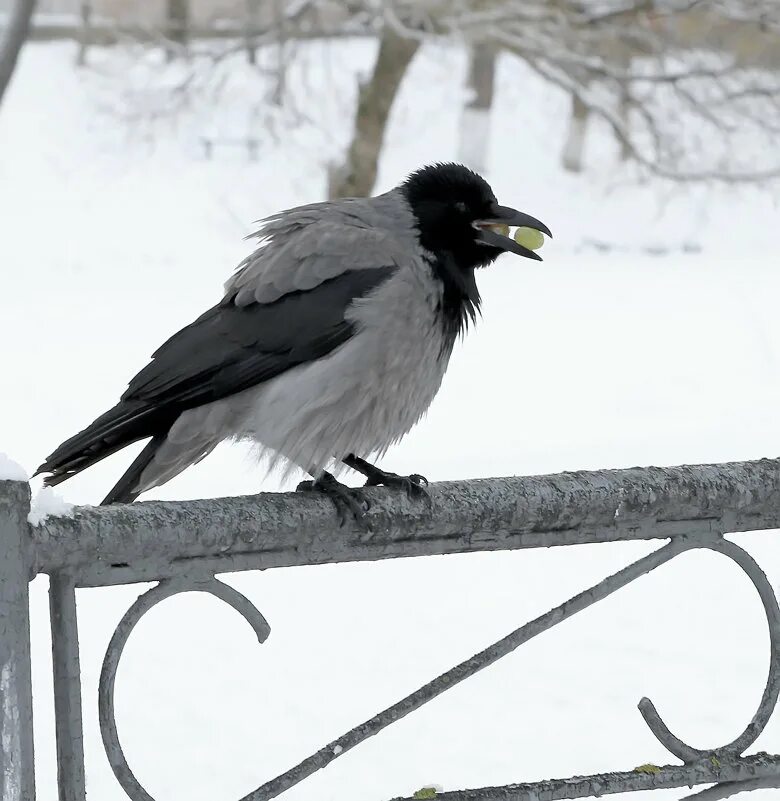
(305, 246)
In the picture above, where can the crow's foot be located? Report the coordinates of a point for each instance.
(414, 486)
(346, 499)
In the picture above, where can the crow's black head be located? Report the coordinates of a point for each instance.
(459, 217)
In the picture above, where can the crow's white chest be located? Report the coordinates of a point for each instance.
(366, 394)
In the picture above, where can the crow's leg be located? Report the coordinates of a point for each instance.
(345, 499)
(414, 485)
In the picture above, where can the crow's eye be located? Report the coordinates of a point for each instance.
(461, 206)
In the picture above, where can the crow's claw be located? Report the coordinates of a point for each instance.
(346, 499)
(414, 485)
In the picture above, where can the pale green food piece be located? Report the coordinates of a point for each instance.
(425, 793)
(529, 238)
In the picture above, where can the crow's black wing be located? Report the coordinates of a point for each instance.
(231, 348)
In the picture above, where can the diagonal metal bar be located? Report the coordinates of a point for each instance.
(468, 668)
(753, 768)
(769, 697)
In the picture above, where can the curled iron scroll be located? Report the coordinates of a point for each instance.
(769, 698)
(143, 604)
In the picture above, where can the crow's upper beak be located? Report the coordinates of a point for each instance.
(504, 215)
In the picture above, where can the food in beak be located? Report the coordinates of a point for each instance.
(494, 230)
(529, 238)
(499, 228)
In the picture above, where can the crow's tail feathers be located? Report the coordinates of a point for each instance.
(127, 489)
(127, 422)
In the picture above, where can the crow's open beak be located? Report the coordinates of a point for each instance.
(505, 216)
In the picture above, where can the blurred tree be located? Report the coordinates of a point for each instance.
(355, 177)
(177, 15)
(690, 89)
(475, 119)
(13, 37)
(252, 26)
(726, 65)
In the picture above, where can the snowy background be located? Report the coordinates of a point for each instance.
(117, 231)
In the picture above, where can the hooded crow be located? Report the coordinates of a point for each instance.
(329, 344)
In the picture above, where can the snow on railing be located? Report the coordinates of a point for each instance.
(183, 546)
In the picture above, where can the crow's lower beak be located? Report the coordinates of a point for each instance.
(506, 216)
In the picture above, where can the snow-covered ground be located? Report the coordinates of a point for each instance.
(116, 233)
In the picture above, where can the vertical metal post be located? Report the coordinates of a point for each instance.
(17, 773)
(67, 688)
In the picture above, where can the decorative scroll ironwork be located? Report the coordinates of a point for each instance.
(143, 604)
(768, 700)
(700, 765)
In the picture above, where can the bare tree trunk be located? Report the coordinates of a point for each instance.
(574, 147)
(356, 176)
(280, 80)
(625, 62)
(85, 13)
(252, 27)
(12, 40)
(475, 121)
(177, 15)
